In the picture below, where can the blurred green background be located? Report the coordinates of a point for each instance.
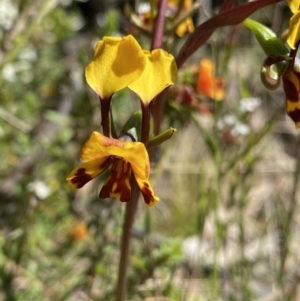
(227, 224)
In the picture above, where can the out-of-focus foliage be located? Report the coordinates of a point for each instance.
(227, 180)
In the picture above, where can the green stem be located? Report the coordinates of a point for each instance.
(125, 241)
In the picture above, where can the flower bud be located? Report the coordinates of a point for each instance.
(266, 38)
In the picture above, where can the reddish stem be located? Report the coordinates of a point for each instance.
(131, 207)
(145, 122)
(105, 116)
(159, 26)
(157, 42)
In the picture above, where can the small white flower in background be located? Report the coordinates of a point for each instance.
(249, 104)
(10, 71)
(220, 124)
(226, 121)
(240, 129)
(29, 54)
(144, 8)
(8, 14)
(229, 119)
(39, 188)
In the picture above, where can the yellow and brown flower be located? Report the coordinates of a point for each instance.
(291, 86)
(124, 157)
(291, 78)
(186, 26)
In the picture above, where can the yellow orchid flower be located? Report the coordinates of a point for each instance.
(101, 152)
(120, 63)
(160, 72)
(293, 36)
(117, 63)
(291, 86)
(187, 25)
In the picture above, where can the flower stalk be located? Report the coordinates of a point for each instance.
(125, 241)
(125, 155)
(159, 26)
(105, 116)
(145, 123)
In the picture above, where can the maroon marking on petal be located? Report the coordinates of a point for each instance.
(81, 178)
(291, 92)
(107, 188)
(106, 163)
(121, 188)
(295, 115)
(125, 194)
(146, 193)
(297, 74)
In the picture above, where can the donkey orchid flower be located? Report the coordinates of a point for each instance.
(291, 78)
(291, 86)
(101, 152)
(117, 63)
(187, 26)
(120, 63)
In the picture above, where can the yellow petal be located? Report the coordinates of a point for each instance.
(87, 171)
(136, 154)
(117, 184)
(147, 192)
(140, 166)
(160, 72)
(291, 86)
(187, 4)
(294, 5)
(117, 63)
(185, 26)
(99, 146)
(294, 30)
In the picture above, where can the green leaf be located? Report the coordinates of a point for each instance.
(134, 122)
(266, 38)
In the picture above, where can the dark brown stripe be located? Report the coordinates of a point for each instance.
(81, 178)
(295, 115)
(291, 92)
